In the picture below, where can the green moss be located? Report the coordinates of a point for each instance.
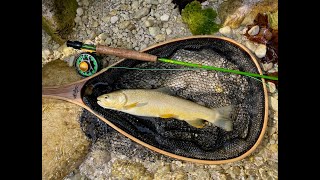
(66, 12)
(47, 26)
(62, 22)
(200, 21)
(273, 20)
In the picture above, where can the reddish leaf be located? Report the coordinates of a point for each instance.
(271, 55)
(261, 20)
(272, 49)
(262, 37)
(266, 36)
(274, 40)
(266, 33)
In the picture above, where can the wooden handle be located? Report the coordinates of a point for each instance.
(126, 53)
(69, 92)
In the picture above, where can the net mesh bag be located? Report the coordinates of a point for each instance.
(212, 89)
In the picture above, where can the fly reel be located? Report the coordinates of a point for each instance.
(87, 64)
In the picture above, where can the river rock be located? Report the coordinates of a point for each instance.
(148, 23)
(79, 11)
(254, 30)
(226, 31)
(114, 19)
(251, 46)
(164, 17)
(142, 12)
(154, 31)
(124, 24)
(261, 51)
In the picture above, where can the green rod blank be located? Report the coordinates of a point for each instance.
(172, 61)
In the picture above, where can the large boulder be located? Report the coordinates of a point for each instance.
(64, 145)
(234, 13)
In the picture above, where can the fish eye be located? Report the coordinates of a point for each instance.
(106, 97)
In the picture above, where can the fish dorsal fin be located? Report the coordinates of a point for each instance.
(164, 90)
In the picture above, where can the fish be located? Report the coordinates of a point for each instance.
(159, 103)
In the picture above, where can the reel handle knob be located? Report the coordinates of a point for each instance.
(74, 44)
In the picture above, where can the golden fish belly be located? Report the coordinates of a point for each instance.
(156, 104)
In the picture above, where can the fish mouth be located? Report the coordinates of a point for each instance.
(99, 102)
(99, 98)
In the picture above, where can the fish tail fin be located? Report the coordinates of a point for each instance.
(222, 118)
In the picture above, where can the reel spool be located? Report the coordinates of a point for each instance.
(87, 64)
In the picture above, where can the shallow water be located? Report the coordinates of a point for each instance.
(112, 155)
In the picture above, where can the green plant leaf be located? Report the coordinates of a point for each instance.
(200, 21)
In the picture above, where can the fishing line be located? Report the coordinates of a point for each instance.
(182, 69)
(155, 69)
(268, 86)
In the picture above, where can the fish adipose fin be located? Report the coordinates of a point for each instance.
(168, 116)
(198, 123)
(223, 119)
(133, 105)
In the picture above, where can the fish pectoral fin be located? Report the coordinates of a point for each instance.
(130, 106)
(136, 104)
(168, 116)
(198, 123)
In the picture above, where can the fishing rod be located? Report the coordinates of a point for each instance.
(131, 54)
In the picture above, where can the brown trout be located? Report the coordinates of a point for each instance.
(153, 103)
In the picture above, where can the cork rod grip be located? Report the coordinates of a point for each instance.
(125, 53)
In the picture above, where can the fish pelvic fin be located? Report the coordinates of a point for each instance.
(168, 116)
(133, 105)
(222, 118)
(198, 123)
